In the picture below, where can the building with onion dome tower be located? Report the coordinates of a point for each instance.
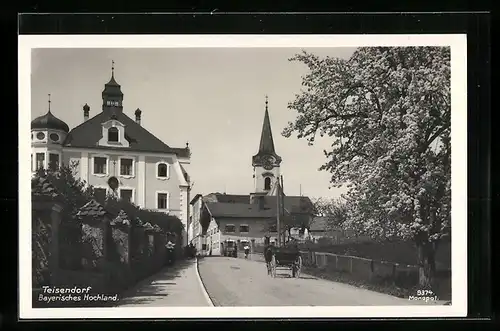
(48, 134)
(116, 155)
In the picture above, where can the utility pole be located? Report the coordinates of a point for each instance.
(282, 202)
(278, 211)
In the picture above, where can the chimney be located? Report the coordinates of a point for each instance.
(138, 113)
(86, 111)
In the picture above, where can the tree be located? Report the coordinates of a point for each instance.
(387, 111)
(334, 209)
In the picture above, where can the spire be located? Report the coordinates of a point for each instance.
(49, 102)
(266, 139)
(112, 81)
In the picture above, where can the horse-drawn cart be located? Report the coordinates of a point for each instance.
(285, 258)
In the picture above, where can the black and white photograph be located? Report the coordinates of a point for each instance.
(243, 176)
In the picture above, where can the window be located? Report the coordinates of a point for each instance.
(53, 161)
(267, 183)
(203, 247)
(100, 164)
(162, 170)
(113, 135)
(126, 167)
(126, 194)
(244, 228)
(40, 136)
(54, 137)
(100, 194)
(40, 160)
(162, 201)
(111, 103)
(229, 228)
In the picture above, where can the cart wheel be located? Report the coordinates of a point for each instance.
(298, 266)
(273, 267)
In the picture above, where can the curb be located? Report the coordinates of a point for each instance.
(203, 288)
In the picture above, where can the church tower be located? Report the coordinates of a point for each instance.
(266, 163)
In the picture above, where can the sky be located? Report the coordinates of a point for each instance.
(213, 98)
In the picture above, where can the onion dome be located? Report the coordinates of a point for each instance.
(49, 121)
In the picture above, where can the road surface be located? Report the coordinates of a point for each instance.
(178, 286)
(240, 282)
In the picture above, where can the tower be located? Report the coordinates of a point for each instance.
(47, 136)
(266, 163)
(112, 96)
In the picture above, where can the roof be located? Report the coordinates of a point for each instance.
(88, 134)
(239, 206)
(185, 174)
(92, 209)
(196, 197)
(49, 121)
(112, 87)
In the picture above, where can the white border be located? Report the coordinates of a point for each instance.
(457, 42)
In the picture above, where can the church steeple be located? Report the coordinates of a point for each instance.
(266, 162)
(266, 138)
(112, 96)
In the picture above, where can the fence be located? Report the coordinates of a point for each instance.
(365, 270)
(98, 252)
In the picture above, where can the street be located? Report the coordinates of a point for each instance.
(240, 282)
(177, 286)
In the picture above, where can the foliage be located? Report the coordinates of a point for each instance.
(387, 111)
(335, 210)
(40, 237)
(93, 246)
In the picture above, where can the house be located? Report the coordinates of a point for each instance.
(116, 155)
(246, 219)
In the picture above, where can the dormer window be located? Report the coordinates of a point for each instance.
(113, 135)
(40, 136)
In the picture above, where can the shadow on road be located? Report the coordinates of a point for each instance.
(154, 287)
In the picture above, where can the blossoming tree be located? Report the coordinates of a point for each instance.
(387, 111)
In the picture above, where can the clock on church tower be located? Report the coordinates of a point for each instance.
(269, 162)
